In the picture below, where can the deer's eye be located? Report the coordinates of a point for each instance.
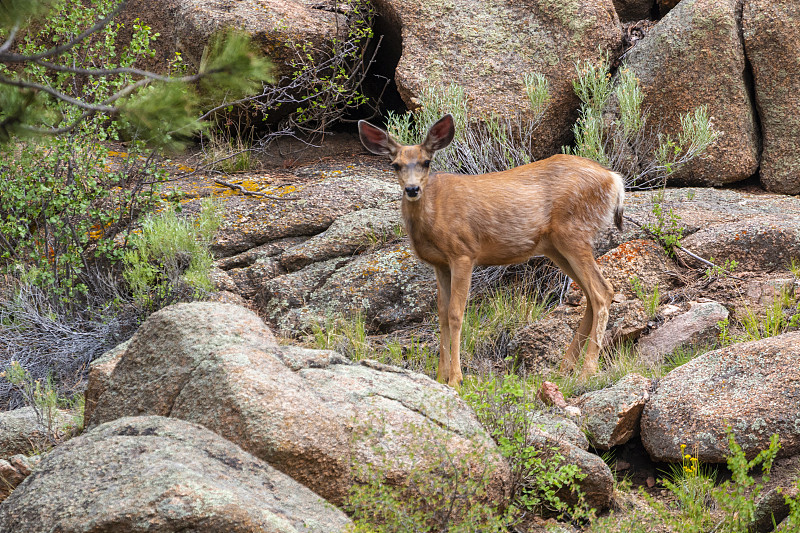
(396, 167)
(426, 163)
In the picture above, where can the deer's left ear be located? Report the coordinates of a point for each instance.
(376, 140)
(441, 134)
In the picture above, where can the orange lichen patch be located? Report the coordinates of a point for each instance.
(626, 252)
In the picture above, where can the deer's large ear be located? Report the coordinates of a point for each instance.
(375, 139)
(440, 135)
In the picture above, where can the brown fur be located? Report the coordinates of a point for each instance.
(552, 207)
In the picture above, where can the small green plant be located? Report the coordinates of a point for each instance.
(683, 355)
(651, 300)
(780, 315)
(721, 271)
(793, 520)
(43, 397)
(666, 227)
(693, 488)
(539, 474)
(413, 354)
(794, 267)
(382, 237)
(170, 258)
(737, 497)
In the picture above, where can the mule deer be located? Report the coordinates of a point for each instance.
(552, 207)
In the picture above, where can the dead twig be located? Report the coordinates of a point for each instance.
(678, 246)
(244, 191)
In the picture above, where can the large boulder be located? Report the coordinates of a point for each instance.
(771, 39)
(388, 286)
(300, 410)
(486, 47)
(186, 26)
(751, 388)
(692, 57)
(161, 474)
(755, 243)
(300, 211)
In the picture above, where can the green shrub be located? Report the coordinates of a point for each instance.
(538, 473)
(622, 140)
(43, 397)
(482, 143)
(170, 258)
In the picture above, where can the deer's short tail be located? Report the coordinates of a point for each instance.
(620, 200)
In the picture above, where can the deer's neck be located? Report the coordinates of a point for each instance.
(419, 218)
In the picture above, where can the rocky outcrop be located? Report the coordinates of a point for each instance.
(161, 474)
(612, 414)
(753, 388)
(692, 57)
(298, 211)
(186, 26)
(697, 326)
(389, 287)
(643, 259)
(299, 410)
(486, 47)
(757, 243)
(771, 32)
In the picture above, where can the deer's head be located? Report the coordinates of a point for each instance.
(411, 164)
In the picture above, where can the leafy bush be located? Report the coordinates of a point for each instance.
(446, 490)
(613, 128)
(538, 473)
(169, 259)
(481, 144)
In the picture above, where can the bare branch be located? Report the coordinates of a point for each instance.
(10, 40)
(57, 94)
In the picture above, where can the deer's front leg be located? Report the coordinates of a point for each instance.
(461, 275)
(443, 304)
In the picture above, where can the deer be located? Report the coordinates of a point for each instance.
(553, 207)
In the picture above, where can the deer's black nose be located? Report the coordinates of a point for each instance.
(412, 192)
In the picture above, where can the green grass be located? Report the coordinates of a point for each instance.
(171, 251)
(651, 299)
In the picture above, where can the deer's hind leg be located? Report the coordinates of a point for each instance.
(599, 293)
(573, 353)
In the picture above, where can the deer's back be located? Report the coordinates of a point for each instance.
(503, 217)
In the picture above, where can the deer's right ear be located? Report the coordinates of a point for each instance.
(375, 139)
